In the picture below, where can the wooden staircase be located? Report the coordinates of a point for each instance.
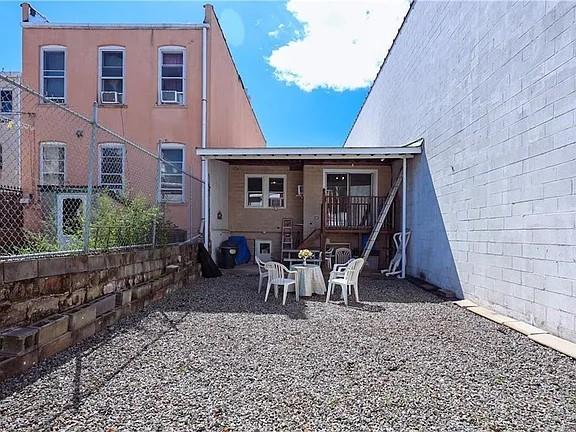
(309, 241)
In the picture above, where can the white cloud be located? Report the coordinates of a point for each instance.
(276, 33)
(342, 45)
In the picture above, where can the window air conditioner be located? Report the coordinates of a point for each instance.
(109, 97)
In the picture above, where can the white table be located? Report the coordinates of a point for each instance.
(310, 279)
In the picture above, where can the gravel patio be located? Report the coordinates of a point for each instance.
(215, 357)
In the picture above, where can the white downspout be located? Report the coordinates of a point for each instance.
(403, 275)
(205, 187)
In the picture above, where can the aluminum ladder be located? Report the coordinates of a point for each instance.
(382, 217)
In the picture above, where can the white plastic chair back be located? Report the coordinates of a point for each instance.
(261, 265)
(275, 270)
(342, 255)
(353, 271)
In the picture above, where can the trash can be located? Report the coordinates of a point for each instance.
(227, 256)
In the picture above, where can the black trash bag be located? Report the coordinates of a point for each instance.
(209, 267)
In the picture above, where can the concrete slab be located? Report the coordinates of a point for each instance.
(524, 328)
(556, 343)
(492, 316)
(465, 303)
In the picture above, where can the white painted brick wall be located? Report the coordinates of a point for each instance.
(491, 87)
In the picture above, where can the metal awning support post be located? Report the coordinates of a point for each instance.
(403, 275)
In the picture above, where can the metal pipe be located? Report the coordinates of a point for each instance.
(205, 189)
(403, 275)
(91, 162)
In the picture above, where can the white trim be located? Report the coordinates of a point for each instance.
(403, 273)
(112, 145)
(52, 144)
(54, 48)
(265, 190)
(374, 173)
(172, 49)
(60, 214)
(112, 48)
(89, 26)
(312, 153)
(173, 146)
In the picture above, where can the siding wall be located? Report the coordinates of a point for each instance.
(262, 223)
(490, 86)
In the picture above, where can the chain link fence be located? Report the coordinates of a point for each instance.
(69, 184)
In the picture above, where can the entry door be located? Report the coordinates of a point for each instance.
(70, 215)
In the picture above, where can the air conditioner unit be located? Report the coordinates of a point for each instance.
(171, 97)
(300, 190)
(109, 97)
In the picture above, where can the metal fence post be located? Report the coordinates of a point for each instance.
(158, 189)
(91, 162)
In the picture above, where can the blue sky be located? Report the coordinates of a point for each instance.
(307, 66)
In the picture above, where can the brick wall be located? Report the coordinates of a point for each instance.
(490, 86)
(48, 304)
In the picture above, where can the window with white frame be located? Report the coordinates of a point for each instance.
(171, 75)
(265, 191)
(112, 166)
(53, 163)
(172, 173)
(111, 73)
(53, 73)
(6, 101)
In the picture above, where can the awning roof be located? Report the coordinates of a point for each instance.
(408, 151)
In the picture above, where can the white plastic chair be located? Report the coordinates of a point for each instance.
(262, 273)
(348, 281)
(278, 274)
(328, 257)
(342, 255)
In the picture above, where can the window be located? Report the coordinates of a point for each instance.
(111, 75)
(6, 101)
(171, 74)
(53, 80)
(53, 164)
(265, 191)
(172, 173)
(112, 166)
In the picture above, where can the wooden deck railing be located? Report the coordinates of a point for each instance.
(354, 212)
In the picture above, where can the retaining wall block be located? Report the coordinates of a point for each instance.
(124, 297)
(13, 365)
(77, 264)
(104, 304)
(172, 268)
(20, 270)
(96, 262)
(19, 340)
(52, 266)
(141, 291)
(84, 333)
(81, 316)
(64, 341)
(108, 319)
(51, 328)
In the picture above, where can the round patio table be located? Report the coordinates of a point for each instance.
(310, 279)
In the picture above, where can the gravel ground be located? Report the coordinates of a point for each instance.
(217, 358)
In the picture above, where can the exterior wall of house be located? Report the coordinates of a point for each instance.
(232, 121)
(490, 86)
(262, 223)
(313, 184)
(10, 136)
(266, 224)
(219, 193)
(141, 118)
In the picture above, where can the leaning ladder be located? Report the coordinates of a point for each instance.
(287, 236)
(382, 217)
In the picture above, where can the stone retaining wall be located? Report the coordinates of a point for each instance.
(47, 305)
